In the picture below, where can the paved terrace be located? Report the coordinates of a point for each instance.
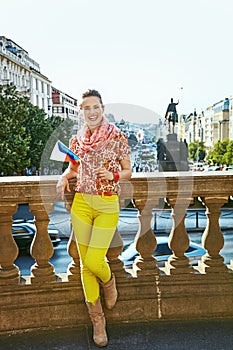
(162, 335)
(160, 301)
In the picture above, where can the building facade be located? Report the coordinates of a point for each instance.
(64, 105)
(213, 124)
(221, 120)
(19, 69)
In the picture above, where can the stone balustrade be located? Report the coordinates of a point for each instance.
(177, 291)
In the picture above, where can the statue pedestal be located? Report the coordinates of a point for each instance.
(173, 155)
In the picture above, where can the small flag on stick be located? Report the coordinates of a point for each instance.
(62, 153)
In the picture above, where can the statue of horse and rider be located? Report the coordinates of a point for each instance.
(171, 116)
(172, 155)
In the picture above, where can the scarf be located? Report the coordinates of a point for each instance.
(103, 134)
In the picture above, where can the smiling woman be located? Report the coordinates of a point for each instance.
(93, 109)
(104, 156)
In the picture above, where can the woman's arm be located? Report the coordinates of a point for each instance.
(124, 174)
(126, 169)
(63, 182)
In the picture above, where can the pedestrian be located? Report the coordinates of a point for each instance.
(104, 160)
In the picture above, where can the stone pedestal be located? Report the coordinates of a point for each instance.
(172, 155)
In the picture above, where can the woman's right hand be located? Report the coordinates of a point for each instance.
(62, 185)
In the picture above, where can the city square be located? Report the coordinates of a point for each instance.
(164, 71)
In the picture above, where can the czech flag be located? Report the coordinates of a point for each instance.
(62, 153)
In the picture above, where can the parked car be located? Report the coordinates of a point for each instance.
(227, 168)
(24, 232)
(214, 168)
(162, 252)
(198, 167)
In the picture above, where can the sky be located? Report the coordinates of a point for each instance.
(134, 52)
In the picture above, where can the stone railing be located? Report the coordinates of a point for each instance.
(177, 291)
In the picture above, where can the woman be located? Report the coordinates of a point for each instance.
(104, 160)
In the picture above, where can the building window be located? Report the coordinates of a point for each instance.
(4, 73)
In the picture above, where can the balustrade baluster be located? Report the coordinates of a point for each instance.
(113, 253)
(42, 247)
(178, 263)
(145, 239)
(9, 272)
(231, 265)
(212, 239)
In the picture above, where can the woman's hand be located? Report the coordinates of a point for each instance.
(62, 185)
(104, 174)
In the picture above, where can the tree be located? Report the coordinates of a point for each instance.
(218, 153)
(39, 129)
(62, 130)
(228, 157)
(222, 153)
(14, 140)
(24, 132)
(197, 150)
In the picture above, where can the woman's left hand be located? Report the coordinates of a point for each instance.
(104, 174)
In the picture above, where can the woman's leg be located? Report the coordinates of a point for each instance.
(82, 219)
(93, 241)
(95, 258)
(86, 237)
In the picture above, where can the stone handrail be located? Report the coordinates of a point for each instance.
(178, 189)
(145, 191)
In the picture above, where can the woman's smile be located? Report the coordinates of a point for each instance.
(93, 111)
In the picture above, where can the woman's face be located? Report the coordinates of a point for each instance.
(92, 111)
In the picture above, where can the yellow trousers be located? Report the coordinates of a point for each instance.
(94, 220)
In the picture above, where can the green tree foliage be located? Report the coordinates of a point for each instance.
(24, 132)
(222, 153)
(61, 131)
(197, 150)
(39, 129)
(14, 140)
(228, 157)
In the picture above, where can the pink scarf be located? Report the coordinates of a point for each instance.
(101, 135)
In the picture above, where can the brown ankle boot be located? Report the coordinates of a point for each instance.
(110, 292)
(98, 321)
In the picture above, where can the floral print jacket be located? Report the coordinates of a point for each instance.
(105, 148)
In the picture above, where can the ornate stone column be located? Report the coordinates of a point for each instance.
(178, 241)
(9, 272)
(42, 247)
(113, 253)
(212, 239)
(146, 243)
